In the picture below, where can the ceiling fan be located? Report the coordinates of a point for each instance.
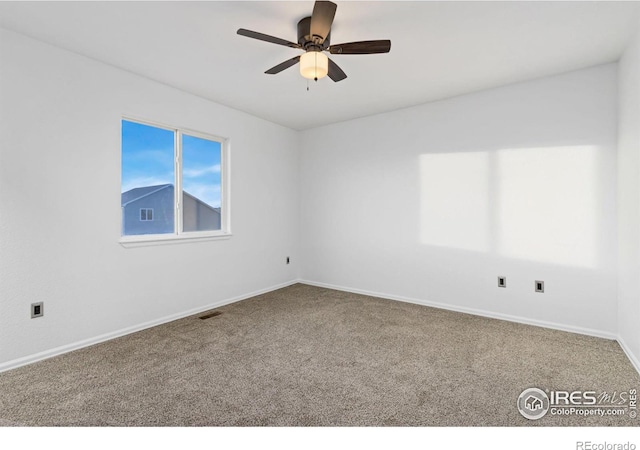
(314, 35)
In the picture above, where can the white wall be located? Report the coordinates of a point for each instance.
(432, 203)
(60, 204)
(629, 201)
(427, 204)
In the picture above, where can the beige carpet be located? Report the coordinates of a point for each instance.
(306, 356)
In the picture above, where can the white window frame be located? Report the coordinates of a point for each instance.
(178, 235)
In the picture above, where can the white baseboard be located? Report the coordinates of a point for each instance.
(633, 358)
(635, 362)
(476, 312)
(13, 364)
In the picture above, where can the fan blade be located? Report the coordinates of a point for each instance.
(321, 20)
(267, 38)
(361, 48)
(335, 72)
(285, 65)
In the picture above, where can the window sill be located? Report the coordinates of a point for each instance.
(159, 239)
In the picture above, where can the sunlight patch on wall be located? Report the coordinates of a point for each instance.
(536, 204)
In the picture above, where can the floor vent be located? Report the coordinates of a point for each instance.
(210, 315)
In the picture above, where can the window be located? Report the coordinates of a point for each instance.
(146, 214)
(173, 183)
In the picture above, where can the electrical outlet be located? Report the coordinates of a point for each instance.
(37, 310)
(539, 285)
(288, 261)
(502, 282)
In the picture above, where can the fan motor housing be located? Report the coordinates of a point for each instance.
(306, 40)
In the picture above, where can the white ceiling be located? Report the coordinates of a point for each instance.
(439, 49)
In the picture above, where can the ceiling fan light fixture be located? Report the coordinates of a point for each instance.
(314, 65)
(314, 37)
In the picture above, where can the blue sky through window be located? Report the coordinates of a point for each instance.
(147, 160)
(201, 169)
